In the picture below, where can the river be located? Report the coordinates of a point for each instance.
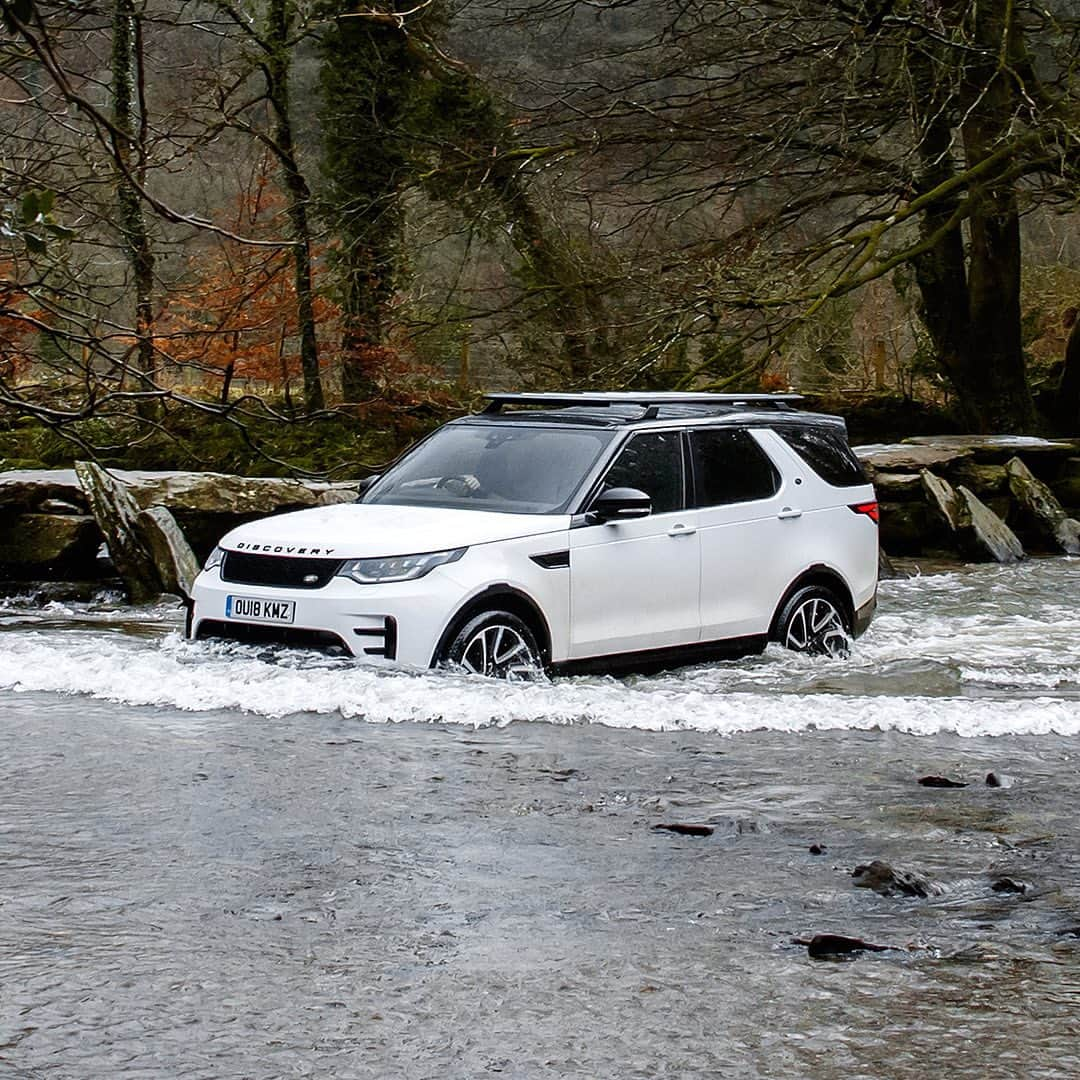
(217, 861)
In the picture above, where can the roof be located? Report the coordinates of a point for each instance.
(623, 408)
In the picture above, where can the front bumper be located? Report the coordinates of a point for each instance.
(400, 621)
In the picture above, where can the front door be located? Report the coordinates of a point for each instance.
(634, 584)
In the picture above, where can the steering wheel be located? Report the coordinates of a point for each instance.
(465, 484)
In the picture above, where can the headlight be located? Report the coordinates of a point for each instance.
(215, 558)
(397, 567)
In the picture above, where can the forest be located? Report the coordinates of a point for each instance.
(293, 235)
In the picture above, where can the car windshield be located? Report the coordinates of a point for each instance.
(495, 467)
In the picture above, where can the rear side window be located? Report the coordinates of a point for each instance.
(826, 453)
(651, 462)
(731, 468)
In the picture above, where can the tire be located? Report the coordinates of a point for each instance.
(498, 645)
(814, 621)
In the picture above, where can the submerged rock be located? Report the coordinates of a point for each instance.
(999, 780)
(833, 946)
(686, 830)
(1041, 509)
(1009, 885)
(941, 782)
(887, 881)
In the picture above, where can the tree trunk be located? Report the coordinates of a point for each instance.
(299, 198)
(130, 149)
(971, 301)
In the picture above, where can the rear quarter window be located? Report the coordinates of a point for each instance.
(827, 453)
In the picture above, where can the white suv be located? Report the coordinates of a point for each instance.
(572, 530)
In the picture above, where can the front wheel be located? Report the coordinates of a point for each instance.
(813, 622)
(498, 645)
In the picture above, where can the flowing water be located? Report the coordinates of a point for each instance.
(223, 861)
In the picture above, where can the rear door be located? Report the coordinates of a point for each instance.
(749, 524)
(634, 585)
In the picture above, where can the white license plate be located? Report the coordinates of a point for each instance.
(256, 609)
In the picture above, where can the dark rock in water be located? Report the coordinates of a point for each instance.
(999, 780)
(1070, 931)
(941, 781)
(833, 946)
(886, 881)
(984, 534)
(686, 830)
(47, 545)
(818, 849)
(1009, 885)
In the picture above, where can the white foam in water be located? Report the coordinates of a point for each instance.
(987, 651)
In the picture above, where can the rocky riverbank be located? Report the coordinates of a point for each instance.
(977, 498)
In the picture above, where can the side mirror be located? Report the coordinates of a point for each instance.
(362, 486)
(619, 504)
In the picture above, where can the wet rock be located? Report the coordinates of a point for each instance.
(173, 558)
(1041, 510)
(941, 782)
(60, 506)
(1009, 885)
(685, 830)
(818, 849)
(999, 780)
(904, 457)
(994, 448)
(908, 527)
(47, 545)
(942, 498)
(1070, 931)
(27, 490)
(897, 485)
(887, 881)
(984, 480)
(834, 946)
(117, 516)
(984, 533)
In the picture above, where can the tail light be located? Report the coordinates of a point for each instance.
(870, 509)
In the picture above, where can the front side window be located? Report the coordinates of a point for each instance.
(651, 462)
(494, 467)
(731, 467)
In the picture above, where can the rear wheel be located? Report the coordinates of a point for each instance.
(498, 645)
(813, 621)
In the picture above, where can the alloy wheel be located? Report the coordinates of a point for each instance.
(817, 627)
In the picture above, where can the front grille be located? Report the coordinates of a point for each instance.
(283, 571)
(254, 634)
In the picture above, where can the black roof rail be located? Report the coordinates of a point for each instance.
(651, 402)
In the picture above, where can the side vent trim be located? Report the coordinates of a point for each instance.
(552, 560)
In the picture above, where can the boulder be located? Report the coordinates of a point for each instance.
(942, 498)
(887, 881)
(897, 485)
(117, 516)
(44, 545)
(1041, 511)
(902, 457)
(28, 490)
(984, 480)
(994, 448)
(908, 528)
(984, 534)
(176, 564)
(836, 946)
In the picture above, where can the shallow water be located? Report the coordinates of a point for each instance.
(985, 650)
(212, 865)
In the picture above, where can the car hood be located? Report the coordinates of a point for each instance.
(357, 531)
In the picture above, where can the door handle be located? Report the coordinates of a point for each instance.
(681, 530)
(788, 512)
